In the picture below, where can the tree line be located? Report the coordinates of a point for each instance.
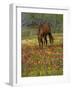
(32, 20)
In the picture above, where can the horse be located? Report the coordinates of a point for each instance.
(44, 30)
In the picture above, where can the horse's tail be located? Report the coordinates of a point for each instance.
(51, 39)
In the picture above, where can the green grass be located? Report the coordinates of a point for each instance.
(42, 62)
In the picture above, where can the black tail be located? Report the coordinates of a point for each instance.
(51, 39)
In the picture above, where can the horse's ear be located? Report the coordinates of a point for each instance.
(50, 24)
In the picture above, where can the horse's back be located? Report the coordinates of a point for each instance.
(46, 28)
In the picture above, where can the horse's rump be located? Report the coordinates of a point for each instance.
(44, 30)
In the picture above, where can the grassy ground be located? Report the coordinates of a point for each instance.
(42, 62)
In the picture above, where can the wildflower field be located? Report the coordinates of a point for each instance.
(46, 61)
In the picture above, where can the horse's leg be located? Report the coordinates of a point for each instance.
(52, 39)
(45, 38)
(41, 42)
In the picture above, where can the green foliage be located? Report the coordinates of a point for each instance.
(31, 21)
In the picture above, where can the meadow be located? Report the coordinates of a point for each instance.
(46, 61)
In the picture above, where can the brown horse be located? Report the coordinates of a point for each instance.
(44, 31)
